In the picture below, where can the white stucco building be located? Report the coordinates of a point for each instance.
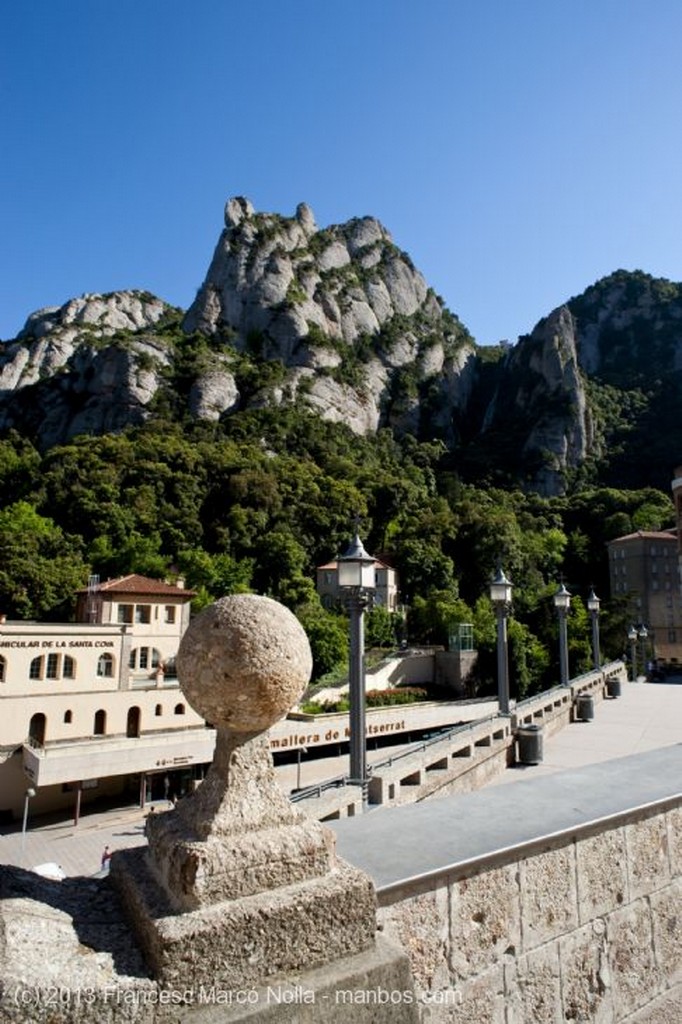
(386, 581)
(93, 708)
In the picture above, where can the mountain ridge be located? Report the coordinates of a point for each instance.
(338, 321)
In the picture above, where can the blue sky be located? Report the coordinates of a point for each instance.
(517, 149)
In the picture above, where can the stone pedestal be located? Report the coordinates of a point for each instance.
(239, 943)
(237, 885)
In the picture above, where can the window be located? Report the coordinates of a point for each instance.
(143, 613)
(68, 717)
(125, 613)
(158, 710)
(142, 658)
(54, 666)
(105, 666)
(179, 709)
(170, 613)
(2, 669)
(100, 723)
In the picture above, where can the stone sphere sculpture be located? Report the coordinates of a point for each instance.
(243, 662)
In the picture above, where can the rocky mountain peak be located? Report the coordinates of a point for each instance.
(342, 307)
(339, 321)
(97, 314)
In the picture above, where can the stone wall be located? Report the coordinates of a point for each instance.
(586, 927)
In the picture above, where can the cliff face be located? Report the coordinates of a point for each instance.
(90, 366)
(343, 309)
(541, 395)
(339, 321)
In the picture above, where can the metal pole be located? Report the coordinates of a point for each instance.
(29, 793)
(633, 659)
(356, 679)
(596, 656)
(502, 660)
(563, 647)
(77, 809)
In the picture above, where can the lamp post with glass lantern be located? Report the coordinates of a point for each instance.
(356, 580)
(562, 603)
(593, 604)
(632, 637)
(642, 634)
(501, 597)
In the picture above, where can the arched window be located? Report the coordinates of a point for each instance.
(37, 728)
(100, 724)
(3, 665)
(142, 659)
(133, 722)
(68, 717)
(55, 666)
(105, 666)
(158, 710)
(179, 709)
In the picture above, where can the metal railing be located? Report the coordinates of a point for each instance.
(420, 745)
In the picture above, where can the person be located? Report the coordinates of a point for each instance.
(106, 857)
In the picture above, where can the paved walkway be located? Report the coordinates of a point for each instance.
(646, 717)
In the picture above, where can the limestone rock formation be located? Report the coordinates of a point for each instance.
(342, 308)
(89, 366)
(542, 392)
(338, 321)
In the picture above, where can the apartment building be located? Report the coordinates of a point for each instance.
(644, 569)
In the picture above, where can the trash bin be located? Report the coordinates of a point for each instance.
(613, 687)
(529, 738)
(584, 707)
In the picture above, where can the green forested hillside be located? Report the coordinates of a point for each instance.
(258, 501)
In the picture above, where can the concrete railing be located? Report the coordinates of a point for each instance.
(464, 758)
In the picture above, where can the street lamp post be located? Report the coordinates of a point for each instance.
(501, 596)
(562, 603)
(30, 792)
(632, 637)
(301, 751)
(593, 604)
(356, 580)
(642, 634)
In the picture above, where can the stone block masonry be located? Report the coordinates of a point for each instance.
(535, 922)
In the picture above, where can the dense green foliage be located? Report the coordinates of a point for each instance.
(256, 503)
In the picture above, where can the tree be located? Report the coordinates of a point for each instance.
(40, 566)
(328, 637)
(380, 627)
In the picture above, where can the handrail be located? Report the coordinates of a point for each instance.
(431, 741)
(319, 788)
